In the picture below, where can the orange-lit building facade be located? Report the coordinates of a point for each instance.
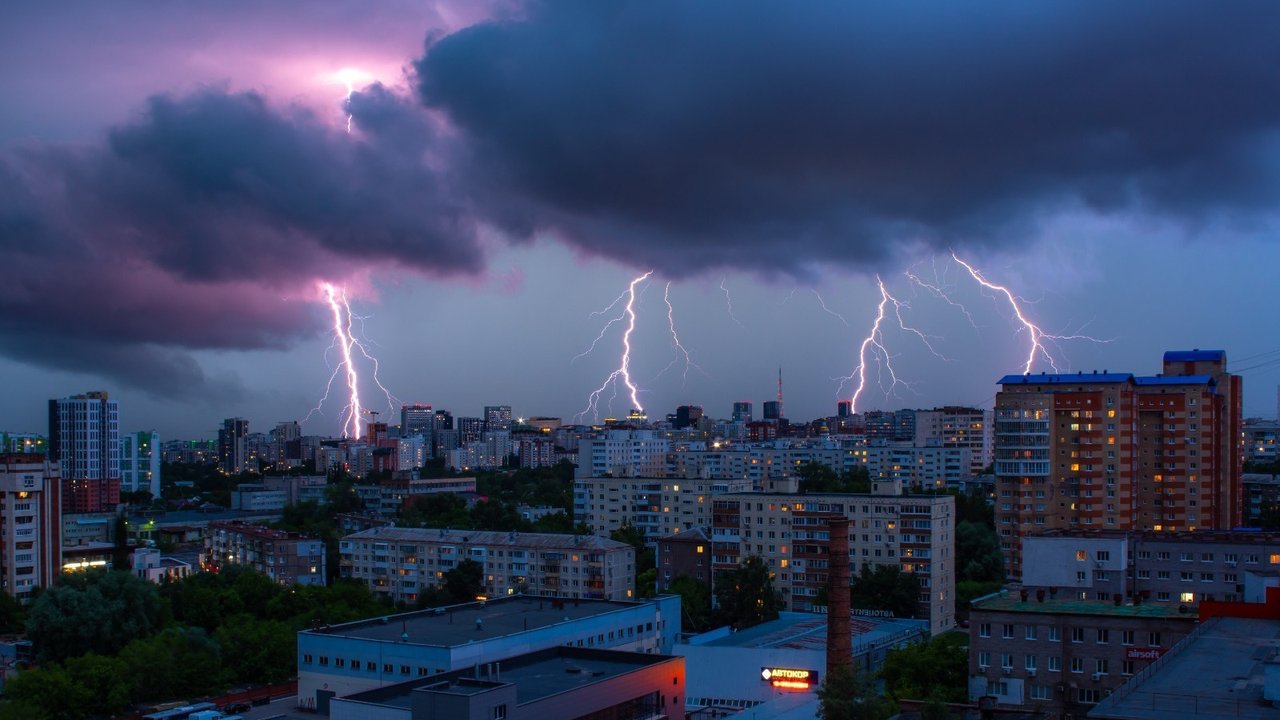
(1117, 451)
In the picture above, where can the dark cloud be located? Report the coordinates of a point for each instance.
(768, 135)
(189, 229)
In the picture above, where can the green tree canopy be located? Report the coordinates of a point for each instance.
(886, 587)
(934, 670)
(93, 612)
(745, 595)
(179, 662)
(695, 602)
(847, 694)
(978, 556)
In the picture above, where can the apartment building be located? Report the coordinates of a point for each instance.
(1181, 569)
(789, 531)
(623, 453)
(30, 523)
(958, 427)
(657, 507)
(1059, 655)
(1118, 451)
(286, 557)
(927, 468)
(398, 563)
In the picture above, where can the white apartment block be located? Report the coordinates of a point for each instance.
(398, 563)
(657, 507)
(140, 462)
(30, 524)
(929, 468)
(490, 452)
(623, 453)
(915, 533)
(959, 427)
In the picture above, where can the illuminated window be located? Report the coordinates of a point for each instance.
(701, 549)
(1188, 597)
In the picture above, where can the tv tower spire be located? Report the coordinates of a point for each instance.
(779, 384)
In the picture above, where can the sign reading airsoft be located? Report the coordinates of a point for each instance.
(789, 678)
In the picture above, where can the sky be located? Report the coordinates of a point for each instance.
(484, 181)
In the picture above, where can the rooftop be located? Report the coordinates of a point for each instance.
(456, 625)
(1196, 355)
(807, 631)
(1253, 536)
(1094, 378)
(536, 675)
(1217, 671)
(1012, 602)
(488, 537)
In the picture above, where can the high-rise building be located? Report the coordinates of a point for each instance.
(773, 410)
(687, 416)
(140, 462)
(417, 419)
(497, 418)
(957, 427)
(844, 408)
(232, 449)
(742, 411)
(84, 439)
(470, 429)
(31, 533)
(1117, 451)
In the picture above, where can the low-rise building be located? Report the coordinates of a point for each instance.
(285, 557)
(399, 563)
(686, 554)
(354, 657)
(559, 682)
(1182, 568)
(1053, 652)
(148, 564)
(726, 668)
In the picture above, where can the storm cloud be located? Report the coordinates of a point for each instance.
(769, 136)
(205, 225)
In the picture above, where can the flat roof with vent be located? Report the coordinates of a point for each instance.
(456, 625)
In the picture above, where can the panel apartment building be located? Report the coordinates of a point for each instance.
(398, 563)
(30, 523)
(789, 531)
(286, 557)
(1118, 451)
(657, 507)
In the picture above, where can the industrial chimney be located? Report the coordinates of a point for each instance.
(839, 639)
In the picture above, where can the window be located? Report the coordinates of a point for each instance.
(1126, 667)
(1162, 595)
(1103, 555)
(984, 660)
(984, 630)
(1153, 639)
(1077, 635)
(1006, 660)
(1104, 636)
(1100, 666)
(1055, 663)
(1055, 633)
(1089, 696)
(1187, 597)
(1041, 692)
(1031, 632)
(1077, 665)
(500, 712)
(1126, 637)
(1007, 632)
(1030, 661)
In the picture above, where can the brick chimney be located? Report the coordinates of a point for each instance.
(839, 640)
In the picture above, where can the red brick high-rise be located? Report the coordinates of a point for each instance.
(1119, 451)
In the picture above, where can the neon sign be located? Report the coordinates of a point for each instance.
(789, 678)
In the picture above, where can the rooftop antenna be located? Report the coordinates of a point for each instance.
(779, 383)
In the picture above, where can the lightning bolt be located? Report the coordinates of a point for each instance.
(938, 290)
(873, 347)
(348, 343)
(675, 339)
(345, 341)
(728, 301)
(828, 310)
(349, 77)
(1038, 336)
(623, 372)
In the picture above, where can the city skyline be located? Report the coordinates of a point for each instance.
(477, 246)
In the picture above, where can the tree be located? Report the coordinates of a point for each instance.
(695, 602)
(850, 695)
(105, 680)
(258, 651)
(93, 612)
(978, 556)
(13, 617)
(818, 477)
(647, 583)
(933, 670)
(745, 595)
(179, 662)
(464, 581)
(52, 691)
(886, 587)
